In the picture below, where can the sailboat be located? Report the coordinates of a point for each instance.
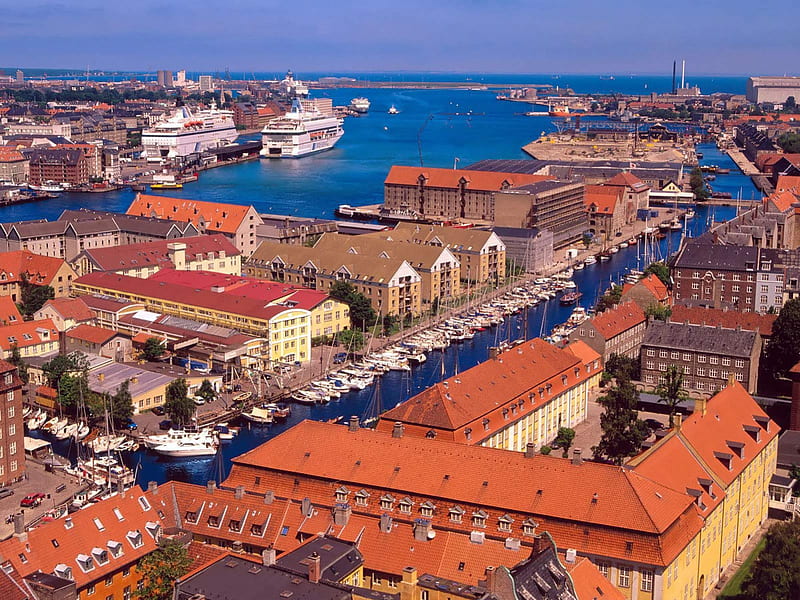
(374, 408)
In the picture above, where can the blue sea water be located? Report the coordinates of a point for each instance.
(353, 173)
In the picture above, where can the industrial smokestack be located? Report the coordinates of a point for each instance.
(674, 66)
(683, 74)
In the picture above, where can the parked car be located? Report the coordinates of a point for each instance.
(339, 358)
(131, 426)
(199, 400)
(32, 500)
(5, 493)
(165, 425)
(159, 410)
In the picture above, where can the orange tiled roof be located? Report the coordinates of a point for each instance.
(589, 583)
(612, 322)
(729, 319)
(783, 201)
(71, 308)
(604, 197)
(95, 528)
(91, 334)
(731, 422)
(9, 313)
(488, 386)
(40, 270)
(788, 182)
(627, 179)
(652, 284)
(488, 181)
(28, 333)
(215, 216)
(583, 351)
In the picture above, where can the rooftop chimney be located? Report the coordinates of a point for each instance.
(269, 497)
(152, 487)
(268, 556)
(576, 457)
(19, 524)
(397, 430)
(314, 568)
(700, 405)
(211, 486)
(491, 579)
(354, 424)
(341, 514)
(677, 421)
(386, 523)
(238, 494)
(530, 450)
(305, 507)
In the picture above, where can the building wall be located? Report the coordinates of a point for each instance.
(118, 348)
(15, 171)
(451, 203)
(12, 442)
(119, 585)
(734, 288)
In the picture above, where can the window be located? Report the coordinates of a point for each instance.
(713, 360)
(624, 577)
(456, 513)
(362, 497)
(687, 356)
(726, 362)
(701, 358)
(90, 590)
(662, 354)
(651, 352)
(479, 519)
(647, 581)
(109, 581)
(405, 506)
(674, 355)
(603, 568)
(650, 364)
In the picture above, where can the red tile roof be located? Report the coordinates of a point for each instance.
(145, 254)
(71, 308)
(589, 583)
(628, 179)
(652, 284)
(61, 541)
(614, 321)
(40, 269)
(28, 333)
(92, 334)
(729, 319)
(214, 216)
(484, 390)
(788, 182)
(783, 201)
(604, 197)
(488, 181)
(9, 313)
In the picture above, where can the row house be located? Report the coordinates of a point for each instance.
(391, 284)
(61, 166)
(665, 526)
(449, 193)
(605, 210)
(618, 330)
(709, 357)
(21, 266)
(516, 398)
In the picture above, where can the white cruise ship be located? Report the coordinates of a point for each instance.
(186, 133)
(360, 104)
(300, 133)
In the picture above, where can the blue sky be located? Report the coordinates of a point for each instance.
(505, 36)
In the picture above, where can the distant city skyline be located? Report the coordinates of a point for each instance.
(471, 36)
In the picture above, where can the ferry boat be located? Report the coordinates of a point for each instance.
(300, 133)
(166, 186)
(48, 186)
(360, 104)
(559, 111)
(186, 133)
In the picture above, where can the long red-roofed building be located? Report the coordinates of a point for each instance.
(520, 396)
(618, 330)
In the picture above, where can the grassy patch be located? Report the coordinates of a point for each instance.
(733, 589)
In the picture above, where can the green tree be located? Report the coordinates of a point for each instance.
(545, 450)
(698, 184)
(72, 389)
(153, 349)
(61, 364)
(206, 391)
(33, 297)
(610, 299)
(620, 366)
(660, 270)
(776, 571)
(160, 569)
(120, 407)
(564, 440)
(790, 142)
(352, 339)
(587, 240)
(670, 391)
(658, 311)
(16, 360)
(361, 312)
(783, 350)
(623, 431)
(178, 405)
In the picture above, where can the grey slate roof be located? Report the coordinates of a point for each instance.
(700, 338)
(700, 255)
(337, 558)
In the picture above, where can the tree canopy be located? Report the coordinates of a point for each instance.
(698, 184)
(623, 431)
(33, 297)
(671, 392)
(660, 270)
(177, 404)
(620, 366)
(361, 312)
(776, 572)
(160, 569)
(790, 142)
(564, 440)
(59, 365)
(153, 349)
(16, 360)
(783, 350)
(610, 299)
(207, 391)
(121, 405)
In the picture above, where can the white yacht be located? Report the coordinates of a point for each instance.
(299, 133)
(188, 447)
(393, 110)
(186, 133)
(259, 414)
(360, 104)
(174, 436)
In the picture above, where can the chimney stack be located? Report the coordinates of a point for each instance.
(305, 507)
(530, 450)
(677, 421)
(341, 514)
(576, 456)
(354, 424)
(491, 580)
(238, 494)
(269, 497)
(386, 523)
(19, 524)
(268, 556)
(152, 487)
(314, 568)
(211, 486)
(397, 430)
(700, 405)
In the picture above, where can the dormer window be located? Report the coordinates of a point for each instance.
(456, 514)
(725, 458)
(753, 431)
(213, 521)
(736, 447)
(63, 571)
(505, 522)
(115, 548)
(362, 497)
(468, 433)
(86, 563)
(426, 509)
(479, 518)
(257, 529)
(505, 414)
(191, 516)
(153, 529)
(486, 424)
(135, 538)
(762, 421)
(529, 527)
(341, 494)
(563, 380)
(235, 525)
(708, 487)
(100, 555)
(387, 502)
(405, 505)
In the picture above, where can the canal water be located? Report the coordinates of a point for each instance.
(442, 126)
